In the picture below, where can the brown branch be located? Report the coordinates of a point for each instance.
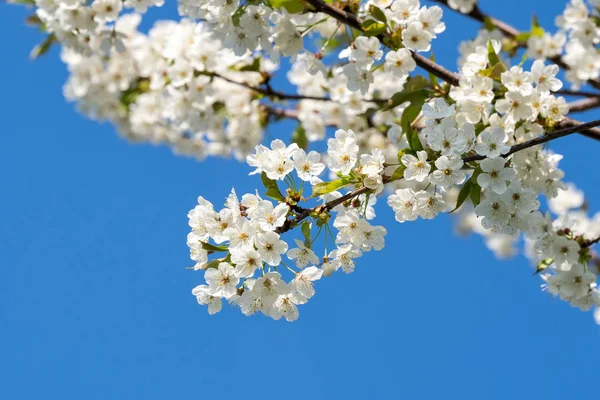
(511, 32)
(430, 66)
(580, 93)
(306, 212)
(542, 139)
(270, 92)
(589, 243)
(354, 22)
(584, 104)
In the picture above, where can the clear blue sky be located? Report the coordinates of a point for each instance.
(95, 302)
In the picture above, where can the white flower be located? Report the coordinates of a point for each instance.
(222, 281)
(270, 247)
(416, 168)
(404, 204)
(303, 255)
(404, 11)
(494, 174)
(431, 19)
(372, 164)
(430, 204)
(202, 293)
(555, 108)
(448, 172)
(270, 218)
(517, 80)
(366, 50)
(464, 6)
(565, 250)
(106, 10)
(516, 106)
(309, 165)
(286, 305)
(438, 110)
(342, 151)
(358, 79)
(544, 77)
(343, 257)
(492, 143)
(448, 139)
(400, 62)
(304, 281)
(246, 262)
(416, 38)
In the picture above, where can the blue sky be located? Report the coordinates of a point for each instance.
(95, 302)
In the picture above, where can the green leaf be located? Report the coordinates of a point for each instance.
(523, 37)
(373, 28)
(536, 29)
(299, 137)
(213, 264)
(463, 195)
(235, 18)
(475, 193)
(416, 82)
(494, 72)
(327, 187)
(492, 56)
(292, 6)
(272, 189)
(377, 13)
(43, 47)
(254, 67)
(213, 248)
(29, 3)
(404, 96)
(489, 24)
(306, 233)
(545, 263)
(398, 173)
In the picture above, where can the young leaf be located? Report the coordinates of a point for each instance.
(545, 263)
(292, 6)
(492, 56)
(306, 233)
(404, 96)
(475, 193)
(373, 28)
(43, 47)
(463, 195)
(299, 137)
(213, 248)
(377, 13)
(398, 173)
(327, 187)
(272, 189)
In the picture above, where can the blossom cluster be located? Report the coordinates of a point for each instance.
(249, 230)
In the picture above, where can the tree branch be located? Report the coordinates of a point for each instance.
(511, 32)
(584, 104)
(353, 21)
(306, 212)
(270, 92)
(430, 66)
(542, 139)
